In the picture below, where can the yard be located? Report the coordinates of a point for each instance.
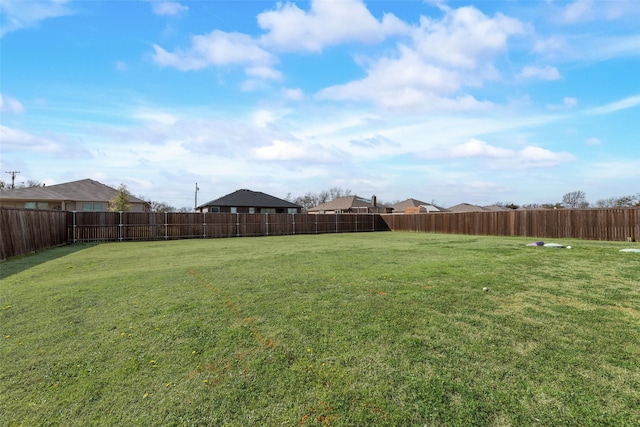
(384, 328)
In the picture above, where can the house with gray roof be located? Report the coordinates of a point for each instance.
(248, 201)
(82, 195)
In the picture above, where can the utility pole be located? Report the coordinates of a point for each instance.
(13, 178)
(196, 201)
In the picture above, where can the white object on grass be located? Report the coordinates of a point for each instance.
(553, 245)
(630, 250)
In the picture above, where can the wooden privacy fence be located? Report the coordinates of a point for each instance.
(28, 230)
(123, 226)
(592, 224)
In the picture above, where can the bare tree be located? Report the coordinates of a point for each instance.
(158, 206)
(336, 192)
(310, 199)
(28, 184)
(623, 201)
(33, 183)
(575, 199)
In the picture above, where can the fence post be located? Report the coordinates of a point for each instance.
(266, 222)
(74, 227)
(293, 224)
(120, 227)
(166, 226)
(204, 226)
(237, 224)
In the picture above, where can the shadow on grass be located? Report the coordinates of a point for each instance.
(21, 263)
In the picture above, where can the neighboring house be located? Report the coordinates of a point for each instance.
(412, 206)
(466, 207)
(495, 208)
(247, 201)
(350, 204)
(83, 195)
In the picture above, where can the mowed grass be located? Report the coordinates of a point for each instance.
(343, 330)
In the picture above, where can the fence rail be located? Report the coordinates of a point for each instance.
(28, 230)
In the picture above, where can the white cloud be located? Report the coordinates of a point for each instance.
(293, 94)
(10, 105)
(550, 45)
(446, 56)
(588, 47)
(567, 103)
(280, 150)
(216, 48)
(406, 81)
(262, 118)
(465, 37)
(155, 116)
(626, 170)
(532, 156)
(623, 104)
(294, 151)
(168, 8)
(328, 22)
(593, 141)
(477, 148)
(18, 140)
(263, 72)
(500, 158)
(19, 14)
(578, 11)
(544, 73)
(570, 102)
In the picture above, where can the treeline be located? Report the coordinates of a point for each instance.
(578, 200)
(311, 199)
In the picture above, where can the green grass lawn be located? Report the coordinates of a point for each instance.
(343, 330)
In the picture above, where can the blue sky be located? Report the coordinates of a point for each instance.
(478, 102)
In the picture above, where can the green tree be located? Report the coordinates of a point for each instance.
(120, 202)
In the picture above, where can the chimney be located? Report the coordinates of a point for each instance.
(374, 202)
